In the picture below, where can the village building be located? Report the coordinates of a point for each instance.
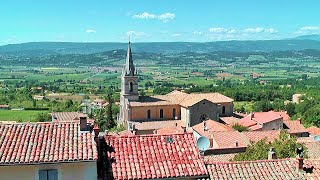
(4, 107)
(47, 151)
(262, 121)
(179, 107)
(174, 156)
(71, 117)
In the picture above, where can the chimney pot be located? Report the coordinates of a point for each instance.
(83, 123)
(271, 154)
(205, 127)
(236, 144)
(96, 130)
(184, 129)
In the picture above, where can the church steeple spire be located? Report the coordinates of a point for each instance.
(129, 67)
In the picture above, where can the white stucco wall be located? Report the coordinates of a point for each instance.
(66, 171)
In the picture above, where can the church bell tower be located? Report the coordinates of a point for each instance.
(129, 79)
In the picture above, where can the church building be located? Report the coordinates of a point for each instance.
(144, 114)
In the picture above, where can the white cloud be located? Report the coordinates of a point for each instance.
(231, 31)
(271, 30)
(260, 30)
(218, 30)
(222, 30)
(90, 31)
(165, 17)
(145, 15)
(254, 30)
(197, 33)
(136, 35)
(310, 28)
(176, 35)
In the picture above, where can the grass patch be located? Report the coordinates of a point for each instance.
(25, 116)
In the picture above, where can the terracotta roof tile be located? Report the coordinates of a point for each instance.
(262, 169)
(255, 136)
(313, 130)
(69, 117)
(152, 125)
(227, 139)
(153, 157)
(260, 118)
(209, 159)
(179, 98)
(28, 143)
(170, 130)
(212, 126)
(295, 127)
(230, 120)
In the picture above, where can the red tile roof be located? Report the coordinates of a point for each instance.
(230, 120)
(260, 118)
(255, 136)
(228, 139)
(313, 130)
(212, 126)
(209, 159)
(262, 169)
(151, 125)
(170, 130)
(69, 117)
(153, 156)
(180, 98)
(28, 143)
(295, 127)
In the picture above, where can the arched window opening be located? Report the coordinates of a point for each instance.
(223, 110)
(203, 117)
(131, 87)
(149, 114)
(174, 112)
(161, 113)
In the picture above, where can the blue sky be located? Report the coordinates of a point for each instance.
(155, 20)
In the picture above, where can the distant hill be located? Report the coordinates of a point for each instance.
(315, 37)
(56, 48)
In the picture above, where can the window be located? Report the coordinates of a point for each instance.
(161, 113)
(131, 87)
(149, 114)
(48, 174)
(174, 112)
(223, 110)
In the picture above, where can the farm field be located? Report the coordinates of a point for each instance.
(17, 115)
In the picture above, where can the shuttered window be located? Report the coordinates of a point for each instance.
(48, 174)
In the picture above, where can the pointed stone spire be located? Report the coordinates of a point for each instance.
(129, 67)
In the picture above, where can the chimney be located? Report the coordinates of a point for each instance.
(299, 160)
(205, 127)
(134, 132)
(236, 144)
(271, 154)
(106, 132)
(184, 129)
(83, 123)
(96, 130)
(299, 120)
(251, 116)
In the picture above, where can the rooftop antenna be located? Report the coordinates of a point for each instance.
(203, 144)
